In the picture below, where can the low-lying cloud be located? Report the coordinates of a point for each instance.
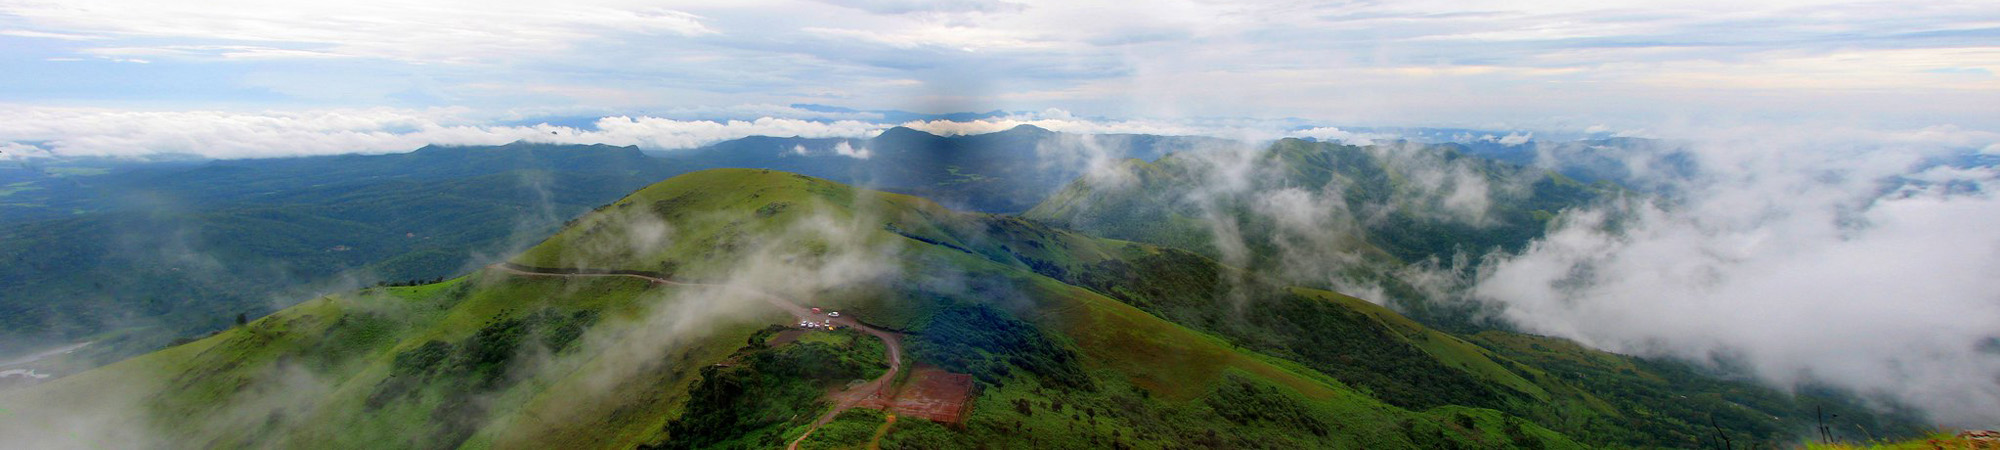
(1805, 255)
(36, 131)
(269, 134)
(818, 250)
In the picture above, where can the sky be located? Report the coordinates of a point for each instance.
(1516, 64)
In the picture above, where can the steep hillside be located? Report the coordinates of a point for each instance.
(1327, 215)
(667, 319)
(504, 359)
(1403, 202)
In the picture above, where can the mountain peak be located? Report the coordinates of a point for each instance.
(1026, 128)
(902, 132)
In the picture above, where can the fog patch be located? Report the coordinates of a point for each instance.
(849, 150)
(1806, 256)
(1264, 213)
(1336, 134)
(1098, 160)
(811, 251)
(844, 147)
(807, 256)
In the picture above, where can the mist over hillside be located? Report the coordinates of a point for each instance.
(969, 224)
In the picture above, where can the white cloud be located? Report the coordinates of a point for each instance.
(1343, 136)
(223, 134)
(843, 149)
(1063, 121)
(77, 131)
(653, 132)
(244, 52)
(1786, 254)
(952, 37)
(18, 151)
(49, 35)
(1620, 63)
(929, 7)
(446, 31)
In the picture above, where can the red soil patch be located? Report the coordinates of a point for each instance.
(931, 393)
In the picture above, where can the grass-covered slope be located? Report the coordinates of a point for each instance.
(496, 359)
(1396, 202)
(424, 366)
(1381, 207)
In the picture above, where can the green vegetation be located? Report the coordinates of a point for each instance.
(1007, 171)
(762, 396)
(17, 187)
(1931, 441)
(852, 429)
(1385, 206)
(212, 241)
(978, 340)
(1635, 401)
(1075, 342)
(78, 171)
(1330, 333)
(1246, 403)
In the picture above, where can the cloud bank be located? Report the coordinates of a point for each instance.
(226, 135)
(1822, 255)
(38, 131)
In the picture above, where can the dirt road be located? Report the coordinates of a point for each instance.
(842, 401)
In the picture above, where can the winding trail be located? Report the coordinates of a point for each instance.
(843, 400)
(888, 420)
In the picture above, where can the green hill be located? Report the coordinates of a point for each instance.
(1070, 341)
(508, 360)
(1327, 215)
(171, 251)
(1400, 203)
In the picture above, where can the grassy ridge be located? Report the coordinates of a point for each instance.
(999, 257)
(1075, 342)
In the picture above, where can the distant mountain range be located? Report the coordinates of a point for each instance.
(1006, 171)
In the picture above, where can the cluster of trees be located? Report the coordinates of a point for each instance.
(745, 404)
(1244, 403)
(1687, 406)
(987, 343)
(1189, 289)
(477, 365)
(415, 282)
